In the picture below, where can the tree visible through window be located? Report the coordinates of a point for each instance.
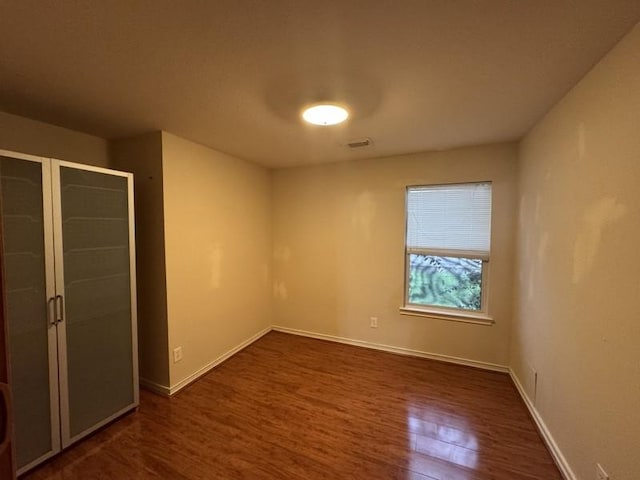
(447, 249)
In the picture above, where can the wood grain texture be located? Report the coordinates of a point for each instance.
(289, 407)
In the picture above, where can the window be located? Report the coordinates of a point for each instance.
(448, 241)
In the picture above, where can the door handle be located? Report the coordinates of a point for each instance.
(5, 393)
(51, 316)
(59, 309)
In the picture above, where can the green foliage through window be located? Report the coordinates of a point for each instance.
(445, 281)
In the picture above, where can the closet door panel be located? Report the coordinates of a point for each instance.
(26, 216)
(93, 263)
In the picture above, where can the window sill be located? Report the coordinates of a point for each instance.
(475, 318)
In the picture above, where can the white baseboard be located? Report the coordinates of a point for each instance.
(397, 350)
(154, 387)
(556, 453)
(197, 374)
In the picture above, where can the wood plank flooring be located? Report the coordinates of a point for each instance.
(290, 407)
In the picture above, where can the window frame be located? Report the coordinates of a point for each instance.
(481, 316)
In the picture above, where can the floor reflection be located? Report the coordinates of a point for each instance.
(439, 435)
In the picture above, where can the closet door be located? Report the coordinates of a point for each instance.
(7, 468)
(25, 186)
(95, 275)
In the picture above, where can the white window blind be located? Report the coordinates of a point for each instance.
(450, 217)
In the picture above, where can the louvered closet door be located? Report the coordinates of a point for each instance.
(93, 223)
(25, 186)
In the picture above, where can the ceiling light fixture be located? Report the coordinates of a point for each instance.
(325, 114)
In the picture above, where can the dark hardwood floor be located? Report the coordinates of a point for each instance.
(290, 407)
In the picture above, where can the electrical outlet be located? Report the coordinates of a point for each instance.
(600, 473)
(373, 322)
(532, 383)
(177, 354)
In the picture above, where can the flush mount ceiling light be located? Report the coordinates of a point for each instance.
(325, 114)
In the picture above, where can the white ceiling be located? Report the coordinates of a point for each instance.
(233, 74)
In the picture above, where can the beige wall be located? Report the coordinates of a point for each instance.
(23, 135)
(143, 156)
(218, 248)
(339, 250)
(578, 316)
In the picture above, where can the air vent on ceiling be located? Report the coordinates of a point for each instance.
(359, 143)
